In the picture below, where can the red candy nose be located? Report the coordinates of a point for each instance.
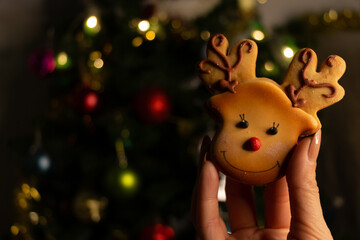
(254, 144)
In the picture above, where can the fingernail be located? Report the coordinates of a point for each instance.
(314, 146)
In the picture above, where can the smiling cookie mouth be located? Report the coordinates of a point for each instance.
(277, 164)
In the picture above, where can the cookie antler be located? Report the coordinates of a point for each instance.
(222, 71)
(310, 90)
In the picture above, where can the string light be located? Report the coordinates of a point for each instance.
(14, 230)
(144, 25)
(62, 60)
(44, 163)
(92, 25)
(91, 22)
(128, 180)
(269, 66)
(150, 35)
(34, 218)
(91, 101)
(137, 41)
(95, 55)
(288, 52)
(205, 35)
(98, 63)
(258, 35)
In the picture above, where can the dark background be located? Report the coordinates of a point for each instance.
(23, 97)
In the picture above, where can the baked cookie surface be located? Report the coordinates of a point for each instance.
(261, 121)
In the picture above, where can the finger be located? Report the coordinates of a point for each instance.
(208, 221)
(277, 205)
(205, 145)
(241, 205)
(305, 203)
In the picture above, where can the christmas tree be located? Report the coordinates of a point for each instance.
(115, 156)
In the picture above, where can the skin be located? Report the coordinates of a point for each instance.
(292, 204)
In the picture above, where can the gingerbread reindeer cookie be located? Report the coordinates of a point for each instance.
(261, 121)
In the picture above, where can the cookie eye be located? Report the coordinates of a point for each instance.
(243, 123)
(273, 130)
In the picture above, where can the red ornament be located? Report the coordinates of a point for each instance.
(254, 144)
(158, 232)
(91, 101)
(153, 105)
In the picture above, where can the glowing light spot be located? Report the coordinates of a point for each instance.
(269, 66)
(128, 180)
(91, 22)
(62, 59)
(333, 15)
(205, 35)
(35, 194)
(158, 104)
(14, 230)
(34, 218)
(144, 25)
(258, 35)
(136, 42)
(98, 63)
(150, 35)
(91, 101)
(25, 188)
(44, 163)
(95, 55)
(22, 203)
(288, 52)
(262, 1)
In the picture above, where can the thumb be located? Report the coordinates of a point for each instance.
(307, 220)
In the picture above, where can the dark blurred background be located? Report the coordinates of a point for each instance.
(101, 111)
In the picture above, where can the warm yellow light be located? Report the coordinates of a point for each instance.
(258, 35)
(98, 63)
(95, 55)
(136, 42)
(62, 58)
(23, 203)
(288, 52)
(34, 218)
(205, 35)
(35, 194)
(128, 180)
(91, 22)
(333, 15)
(144, 25)
(150, 35)
(14, 230)
(25, 188)
(269, 66)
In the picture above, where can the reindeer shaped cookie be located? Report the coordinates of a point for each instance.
(261, 121)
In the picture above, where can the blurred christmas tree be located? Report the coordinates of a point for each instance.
(115, 156)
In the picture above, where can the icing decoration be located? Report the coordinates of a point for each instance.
(294, 93)
(226, 83)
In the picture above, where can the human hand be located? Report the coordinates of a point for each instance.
(292, 204)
